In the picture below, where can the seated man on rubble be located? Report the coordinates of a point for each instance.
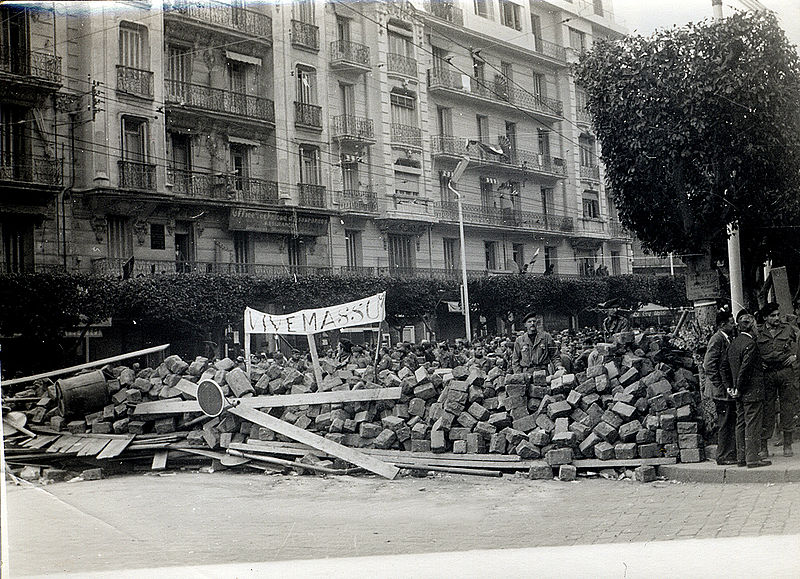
(535, 349)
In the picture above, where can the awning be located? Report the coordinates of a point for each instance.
(241, 141)
(238, 56)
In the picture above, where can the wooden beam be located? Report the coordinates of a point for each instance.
(160, 460)
(312, 348)
(115, 447)
(94, 364)
(596, 463)
(335, 449)
(275, 401)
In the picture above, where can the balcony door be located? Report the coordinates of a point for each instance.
(347, 95)
(309, 166)
(240, 166)
(120, 240)
(237, 83)
(178, 73)
(134, 140)
(17, 238)
(184, 246)
(13, 150)
(14, 40)
(402, 253)
(343, 29)
(181, 162)
(296, 248)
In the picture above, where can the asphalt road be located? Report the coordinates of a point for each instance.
(189, 518)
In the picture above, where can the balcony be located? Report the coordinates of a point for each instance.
(305, 35)
(406, 135)
(511, 92)
(222, 187)
(500, 92)
(444, 10)
(550, 50)
(34, 170)
(356, 201)
(590, 173)
(135, 81)
(312, 195)
(401, 64)
(239, 105)
(307, 116)
(135, 175)
(222, 15)
(448, 146)
(521, 159)
(503, 217)
(583, 116)
(593, 225)
(617, 231)
(39, 65)
(349, 56)
(352, 129)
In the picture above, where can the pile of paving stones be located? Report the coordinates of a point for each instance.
(640, 403)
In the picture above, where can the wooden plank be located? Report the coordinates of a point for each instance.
(76, 447)
(275, 401)
(64, 440)
(95, 446)
(41, 441)
(349, 454)
(472, 471)
(160, 460)
(94, 364)
(187, 387)
(115, 448)
(595, 463)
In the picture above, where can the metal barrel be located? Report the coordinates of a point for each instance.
(82, 394)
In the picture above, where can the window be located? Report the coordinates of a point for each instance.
(445, 194)
(184, 246)
(17, 242)
(490, 251)
(343, 29)
(547, 200)
(347, 94)
(539, 85)
(616, 264)
(403, 108)
(510, 15)
(406, 184)
(353, 243)
(511, 135)
(306, 85)
(536, 30)
(181, 152)
(481, 8)
(237, 77)
(179, 72)
(157, 236)
(478, 69)
(591, 205)
(577, 40)
(12, 140)
(134, 139)
(439, 56)
(296, 249)
(550, 260)
(309, 165)
(240, 166)
(241, 249)
(581, 99)
(304, 11)
(14, 38)
(444, 116)
(544, 144)
(133, 46)
(587, 151)
(483, 128)
(507, 71)
(598, 7)
(451, 253)
(487, 192)
(350, 177)
(119, 238)
(401, 45)
(402, 251)
(518, 254)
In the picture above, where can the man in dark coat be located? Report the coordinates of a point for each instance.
(716, 351)
(744, 378)
(534, 350)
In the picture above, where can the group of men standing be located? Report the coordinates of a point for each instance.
(750, 370)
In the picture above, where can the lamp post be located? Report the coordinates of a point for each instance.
(457, 173)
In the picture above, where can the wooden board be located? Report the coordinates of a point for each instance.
(40, 441)
(115, 448)
(595, 463)
(94, 446)
(64, 441)
(187, 387)
(275, 401)
(160, 460)
(76, 447)
(350, 455)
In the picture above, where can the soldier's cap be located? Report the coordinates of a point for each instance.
(528, 316)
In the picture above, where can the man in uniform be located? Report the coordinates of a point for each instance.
(744, 379)
(534, 350)
(716, 351)
(777, 344)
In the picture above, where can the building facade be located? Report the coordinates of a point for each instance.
(304, 137)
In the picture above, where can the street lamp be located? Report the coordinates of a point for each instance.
(457, 173)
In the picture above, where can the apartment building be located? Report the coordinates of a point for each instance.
(304, 137)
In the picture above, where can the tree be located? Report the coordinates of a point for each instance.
(699, 129)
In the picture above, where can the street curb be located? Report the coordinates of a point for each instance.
(780, 471)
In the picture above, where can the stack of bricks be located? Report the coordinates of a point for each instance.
(633, 405)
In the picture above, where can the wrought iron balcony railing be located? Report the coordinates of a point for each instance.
(34, 170)
(590, 172)
(305, 35)
(135, 81)
(353, 128)
(344, 52)
(449, 145)
(508, 91)
(307, 115)
(503, 217)
(550, 49)
(30, 63)
(445, 10)
(311, 195)
(583, 116)
(219, 100)
(407, 135)
(225, 15)
(592, 225)
(136, 175)
(222, 187)
(401, 64)
(358, 201)
(617, 231)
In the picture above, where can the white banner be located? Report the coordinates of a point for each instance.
(367, 310)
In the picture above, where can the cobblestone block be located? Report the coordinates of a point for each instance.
(604, 451)
(567, 473)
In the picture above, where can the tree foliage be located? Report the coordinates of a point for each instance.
(699, 128)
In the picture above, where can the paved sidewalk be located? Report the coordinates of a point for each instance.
(782, 470)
